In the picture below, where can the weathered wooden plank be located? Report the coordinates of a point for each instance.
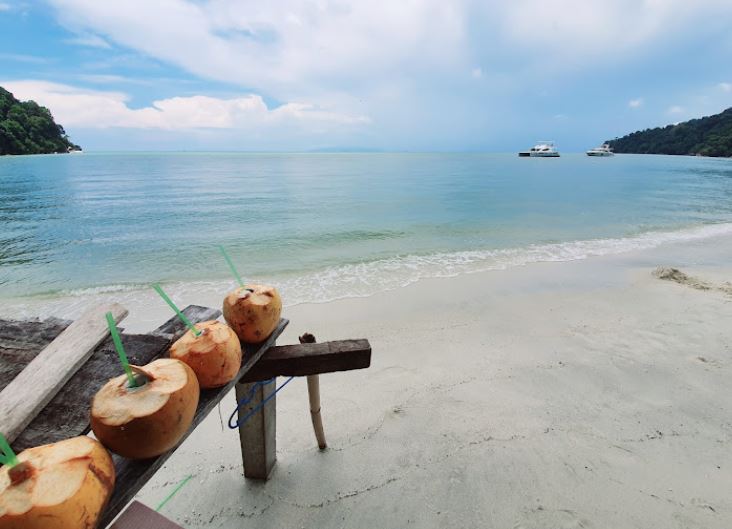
(21, 341)
(174, 329)
(67, 415)
(311, 359)
(132, 475)
(26, 395)
(139, 516)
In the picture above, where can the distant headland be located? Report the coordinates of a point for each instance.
(28, 128)
(708, 136)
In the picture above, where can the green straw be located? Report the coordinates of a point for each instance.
(120, 350)
(175, 491)
(231, 265)
(182, 316)
(7, 457)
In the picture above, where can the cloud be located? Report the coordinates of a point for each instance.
(636, 103)
(4, 6)
(676, 109)
(725, 87)
(277, 46)
(78, 107)
(581, 28)
(90, 40)
(301, 49)
(18, 57)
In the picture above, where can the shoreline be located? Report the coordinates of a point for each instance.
(355, 280)
(576, 394)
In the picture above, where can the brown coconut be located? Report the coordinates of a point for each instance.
(148, 420)
(214, 355)
(253, 311)
(63, 485)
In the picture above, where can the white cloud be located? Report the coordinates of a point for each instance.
(77, 107)
(581, 28)
(17, 57)
(636, 103)
(676, 109)
(277, 46)
(294, 49)
(4, 6)
(90, 40)
(111, 79)
(725, 87)
(476, 73)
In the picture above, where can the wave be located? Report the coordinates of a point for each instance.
(365, 278)
(368, 278)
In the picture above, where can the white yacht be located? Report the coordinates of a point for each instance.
(602, 150)
(543, 149)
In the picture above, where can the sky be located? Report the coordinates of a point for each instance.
(407, 75)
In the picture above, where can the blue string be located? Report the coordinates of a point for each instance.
(246, 400)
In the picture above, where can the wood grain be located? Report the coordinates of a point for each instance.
(67, 415)
(26, 395)
(22, 341)
(311, 359)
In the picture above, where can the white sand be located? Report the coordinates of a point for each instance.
(560, 395)
(585, 394)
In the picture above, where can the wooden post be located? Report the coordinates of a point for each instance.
(258, 434)
(314, 398)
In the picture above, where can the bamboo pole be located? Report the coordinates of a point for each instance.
(314, 397)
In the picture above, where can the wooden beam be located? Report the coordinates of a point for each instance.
(26, 395)
(311, 359)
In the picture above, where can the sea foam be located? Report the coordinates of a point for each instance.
(358, 279)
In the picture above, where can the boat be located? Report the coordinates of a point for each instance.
(602, 150)
(543, 149)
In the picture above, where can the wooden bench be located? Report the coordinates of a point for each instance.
(67, 414)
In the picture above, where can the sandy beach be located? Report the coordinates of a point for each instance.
(555, 395)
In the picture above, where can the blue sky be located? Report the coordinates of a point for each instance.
(384, 75)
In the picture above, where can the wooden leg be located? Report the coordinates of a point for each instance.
(314, 396)
(258, 433)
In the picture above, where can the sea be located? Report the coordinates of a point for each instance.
(328, 226)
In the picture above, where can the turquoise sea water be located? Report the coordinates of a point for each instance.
(332, 225)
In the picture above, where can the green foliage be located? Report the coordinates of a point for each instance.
(708, 136)
(28, 128)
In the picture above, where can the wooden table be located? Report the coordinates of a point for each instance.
(67, 415)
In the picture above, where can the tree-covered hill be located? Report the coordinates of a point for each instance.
(708, 136)
(28, 128)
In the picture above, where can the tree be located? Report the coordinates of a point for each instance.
(708, 136)
(28, 128)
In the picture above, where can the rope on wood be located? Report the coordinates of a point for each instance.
(246, 400)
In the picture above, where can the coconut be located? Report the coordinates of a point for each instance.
(214, 355)
(63, 485)
(150, 419)
(253, 311)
